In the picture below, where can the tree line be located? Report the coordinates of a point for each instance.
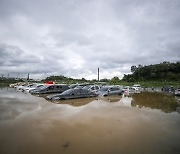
(63, 79)
(164, 71)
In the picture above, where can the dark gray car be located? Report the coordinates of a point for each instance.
(110, 90)
(54, 88)
(73, 93)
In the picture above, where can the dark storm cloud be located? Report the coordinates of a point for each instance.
(15, 60)
(14, 56)
(76, 37)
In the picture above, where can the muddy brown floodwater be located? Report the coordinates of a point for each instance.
(111, 125)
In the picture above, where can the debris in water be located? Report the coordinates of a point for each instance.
(65, 145)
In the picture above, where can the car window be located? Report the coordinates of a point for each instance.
(87, 87)
(75, 91)
(40, 86)
(67, 92)
(92, 88)
(97, 87)
(84, 91)
(104, 89)
(51, 87)
(114, 88)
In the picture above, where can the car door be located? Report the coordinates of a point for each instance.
(75, 93)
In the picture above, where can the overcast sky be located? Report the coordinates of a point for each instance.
(75, 37)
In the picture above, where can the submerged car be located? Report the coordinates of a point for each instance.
(137, 87)
(56, 88)
(110, 90)
(31, 88)
(73, 93)
(129, 90)
(78, 86)
(177, 92)
(168, 89)
(21, 86)
(93, 88)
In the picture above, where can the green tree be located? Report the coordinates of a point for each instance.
(133, 69)
(115, 80)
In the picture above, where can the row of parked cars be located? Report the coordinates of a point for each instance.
(65, 91)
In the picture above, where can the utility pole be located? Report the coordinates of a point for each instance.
(17, 75)
(28, 77)
(98, 74)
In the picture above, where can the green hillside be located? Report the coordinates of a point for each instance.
(165, 71)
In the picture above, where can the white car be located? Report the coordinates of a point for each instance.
(35, 86)
(23, 89)
(128, 90)
(177, 92)
(21, 86)
(137, 87)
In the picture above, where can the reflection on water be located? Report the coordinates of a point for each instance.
(154, 100)
(111, 99)
(75, 102)
(84, 101)
(32, 125)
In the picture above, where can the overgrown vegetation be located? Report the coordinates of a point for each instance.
(164, 72)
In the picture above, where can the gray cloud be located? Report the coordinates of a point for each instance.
(14, 56)
(67, 38)
(76, 37)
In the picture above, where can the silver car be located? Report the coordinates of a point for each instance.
(110, 90)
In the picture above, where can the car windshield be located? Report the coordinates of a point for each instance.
(104, 89)
(67, 92)
(125, 87)
(87, 87)
(42, 87)
(73, 86)
(24, 85)
(39, 86)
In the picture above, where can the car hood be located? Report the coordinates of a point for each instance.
(101, 92)
(54, 95)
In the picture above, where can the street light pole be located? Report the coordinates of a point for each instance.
(98, 73)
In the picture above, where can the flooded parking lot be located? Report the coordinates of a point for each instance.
(145, 123)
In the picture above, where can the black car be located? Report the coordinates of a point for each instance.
(73, 93)
(168, 89)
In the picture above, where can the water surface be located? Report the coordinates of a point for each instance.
(107, 125)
